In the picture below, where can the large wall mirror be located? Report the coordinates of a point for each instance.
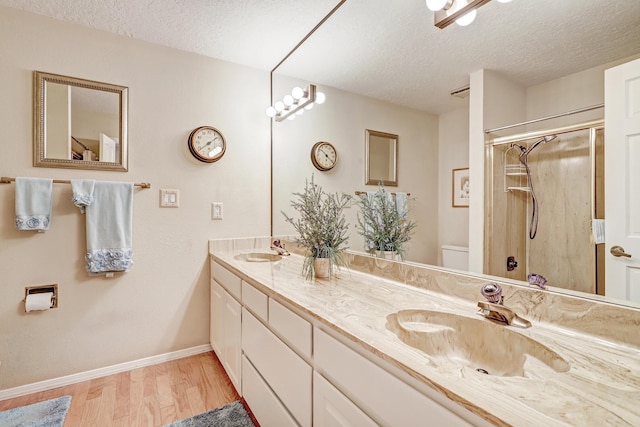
(381, 158)
(79, 124)
(345, 115)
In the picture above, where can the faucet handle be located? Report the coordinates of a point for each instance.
(537, 279)
(492, 292)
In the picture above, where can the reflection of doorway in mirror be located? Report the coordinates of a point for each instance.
(567, 174)
(108, 149)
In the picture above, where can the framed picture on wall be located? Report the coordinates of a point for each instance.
(460, 188)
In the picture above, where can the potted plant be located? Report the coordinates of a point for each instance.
(322, 229)
(383, 225)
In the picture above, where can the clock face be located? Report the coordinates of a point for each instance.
(324, 156)
(207, 144)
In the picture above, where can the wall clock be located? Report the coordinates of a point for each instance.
(323, 156)
(207, 144)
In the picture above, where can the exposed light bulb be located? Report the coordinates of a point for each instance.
(320, 98)
(308, 107)
(288, 100)
(279, 106)
(291, 117)
(271, 112)
(436, 5)
(297, 92)
(467, 18)
(300, 112)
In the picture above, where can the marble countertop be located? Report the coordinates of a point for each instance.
(601, 387)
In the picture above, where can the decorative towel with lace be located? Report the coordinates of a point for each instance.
(82, 192)
(33, 203)
(109, 228)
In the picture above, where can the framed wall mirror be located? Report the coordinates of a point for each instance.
(79, 124)
(381, 158)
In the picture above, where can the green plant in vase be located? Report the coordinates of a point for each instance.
(384, 226)
(322, 229)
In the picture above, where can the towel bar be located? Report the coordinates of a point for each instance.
(9, 180)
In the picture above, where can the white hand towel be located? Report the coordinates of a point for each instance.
(82, 192)
(401, 205)
(597, 227)
(109, 228)
(33, 203)
(370, 244)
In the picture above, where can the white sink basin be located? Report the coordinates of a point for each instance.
(258, 257)
(455, 341)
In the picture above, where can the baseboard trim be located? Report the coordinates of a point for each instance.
(101, 372)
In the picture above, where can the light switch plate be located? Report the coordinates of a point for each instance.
(216, 210)
(169, 198)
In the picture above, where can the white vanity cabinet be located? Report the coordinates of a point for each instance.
(295, 371)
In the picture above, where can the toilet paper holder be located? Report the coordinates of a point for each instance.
(41, 289)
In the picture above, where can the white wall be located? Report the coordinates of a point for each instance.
(494, 101)
(453, 153)
(342, 120)
(162, 304)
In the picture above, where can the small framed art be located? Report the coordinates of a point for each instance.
(460, 188)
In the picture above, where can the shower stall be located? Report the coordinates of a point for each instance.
(544, 195)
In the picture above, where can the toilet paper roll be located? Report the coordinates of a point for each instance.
(40, 301)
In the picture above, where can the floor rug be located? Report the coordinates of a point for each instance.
(231, 415)
(50, 413)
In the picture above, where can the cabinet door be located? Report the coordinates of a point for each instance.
(215, 321)
(232, 350)
(333, 409)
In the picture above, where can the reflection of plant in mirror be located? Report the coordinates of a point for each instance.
(382, 223)
(322, 226)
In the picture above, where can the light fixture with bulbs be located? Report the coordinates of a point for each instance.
(462, 12)
(294, 105)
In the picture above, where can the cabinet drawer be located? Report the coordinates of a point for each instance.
(282, 369)
(385, 398)
(333, 409)
(263, 403)
(227, 279)
(291, 327)
(255, 300)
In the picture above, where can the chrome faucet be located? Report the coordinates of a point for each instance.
(278, 246)
(494, 309)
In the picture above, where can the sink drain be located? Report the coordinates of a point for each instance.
(482, 371)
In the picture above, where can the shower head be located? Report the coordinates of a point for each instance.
(544, 139)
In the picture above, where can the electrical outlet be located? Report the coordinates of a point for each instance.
(216, 210)
(169, 198)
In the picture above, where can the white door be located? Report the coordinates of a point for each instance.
(622, 182)
(108, 149)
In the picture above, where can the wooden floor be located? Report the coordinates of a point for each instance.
(151, 396)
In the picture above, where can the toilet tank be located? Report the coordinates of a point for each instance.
(456, 257)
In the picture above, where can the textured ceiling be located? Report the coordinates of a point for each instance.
(385, 49)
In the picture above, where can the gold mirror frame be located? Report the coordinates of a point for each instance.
(389, 179)
(40, 159)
